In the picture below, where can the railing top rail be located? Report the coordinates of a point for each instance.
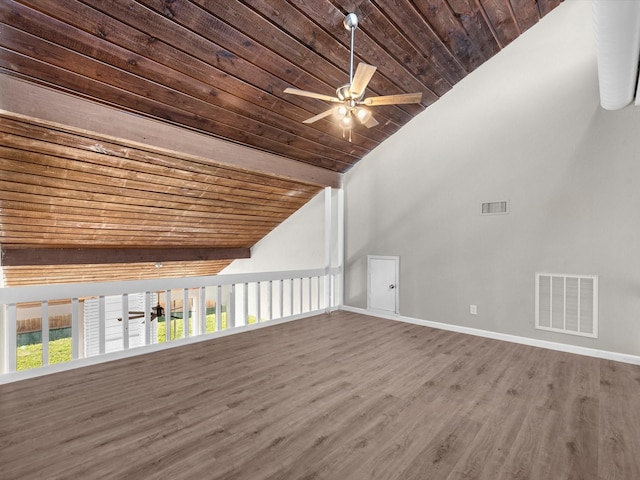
(9, 295)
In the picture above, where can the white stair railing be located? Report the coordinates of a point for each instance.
(116, 317)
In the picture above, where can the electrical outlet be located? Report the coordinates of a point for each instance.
(473, 309)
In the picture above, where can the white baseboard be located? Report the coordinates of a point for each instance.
(562, 347)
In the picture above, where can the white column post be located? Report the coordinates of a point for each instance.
(258, 303)
(340, 234)
(101, 325)
(202, 300)
(218, 308)
(185, 311)
(124, 300)
(10, 337)
(245, 302)
(147, 318)
(231, 307)
(327, 247)
(44, 329)
(75, 328)
(167, 316)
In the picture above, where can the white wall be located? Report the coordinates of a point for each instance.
(525, 127)
(298, 243)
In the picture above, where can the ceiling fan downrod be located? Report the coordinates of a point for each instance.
(350, 22)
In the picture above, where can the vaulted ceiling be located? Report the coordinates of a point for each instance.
(214, 70)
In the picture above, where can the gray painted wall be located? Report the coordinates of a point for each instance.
(525, 127)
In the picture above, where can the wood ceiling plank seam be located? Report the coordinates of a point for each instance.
(103, 267)
(215, 212)
(122, 242)
(20, 172)
(514, 17)
(475, 23)
(309, 37)
(81, 238)
(91, 158)
(114, 217)
(29, 223)
(12, 223)
(98, 198)
(147, 242)
(134, 56)
(28, 210)
(25, 194)
(239, 46)
(274, 184)
(150, 241)
(74, 268)
(95, 70)
(449, 29)
(119, 244)
(437, 70)
(10, 230)
(32, 68)
(526, 13)
(501, 20)
(125, 267)
(31, 197)
(57, 235)
(97, 172)
(369, 51)
(545, 6)
(116, 239)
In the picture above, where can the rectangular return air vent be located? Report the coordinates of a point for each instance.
(567, 304)
(494, 208)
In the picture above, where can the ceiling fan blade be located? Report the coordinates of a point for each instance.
(304, 93)
(403, 98)
(363, 74)
(326, 113)
(371, 122)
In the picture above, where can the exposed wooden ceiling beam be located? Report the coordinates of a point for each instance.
(81, 115)
(13, 256)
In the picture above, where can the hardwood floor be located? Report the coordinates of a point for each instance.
(343, 396)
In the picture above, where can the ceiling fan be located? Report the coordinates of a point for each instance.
(157, 311)
(350, 97)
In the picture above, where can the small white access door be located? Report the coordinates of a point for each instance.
(382, 283)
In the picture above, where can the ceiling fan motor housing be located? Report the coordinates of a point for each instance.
(344, 93)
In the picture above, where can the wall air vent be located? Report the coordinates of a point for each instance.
(494, 208)
(567, 304)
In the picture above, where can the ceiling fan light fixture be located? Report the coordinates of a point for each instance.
(346, 121)
(363, 114)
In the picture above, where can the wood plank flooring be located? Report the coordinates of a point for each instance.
(340, 396)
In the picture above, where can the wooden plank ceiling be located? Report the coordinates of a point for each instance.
(218, 68)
